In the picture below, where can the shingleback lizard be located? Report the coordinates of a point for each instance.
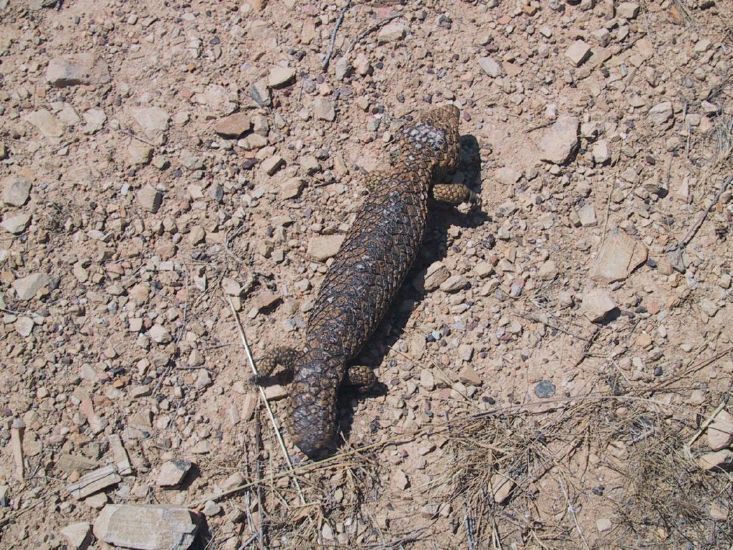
(376, 254)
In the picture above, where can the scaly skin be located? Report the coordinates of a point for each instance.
(378, 251)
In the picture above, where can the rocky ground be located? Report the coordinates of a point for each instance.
(556, 370)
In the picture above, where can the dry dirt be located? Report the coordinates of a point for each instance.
(507, 417)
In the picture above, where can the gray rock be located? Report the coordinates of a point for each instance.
(661, 113)
(78, 535)
(139, 153)
(146, 527)
(627, 10)
(560, 141)
(50, 126)
(722, 460)
(544, 389)
(280, 76)
(94, 119)
(597, 304)
(392, 32)
(601, 152)
(80, 69)
(324, 247)
(323, 109)
(578, 52)
(150, 198)
(720, 431)
(272, 164)
(260, 93)
(172, 473)
(27, 287)
(587, 215)
(153, 121)
(291, 188)
(159, 334)
(16, 191)
(342, 68)
(454, 283)
(618, 258)
(15, 223)
(490, 66)
(24, 326)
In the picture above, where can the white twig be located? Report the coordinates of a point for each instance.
(279, 437)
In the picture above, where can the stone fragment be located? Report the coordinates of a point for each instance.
(84, 69)
(578, 52)
(146, 527)
(661, 113)
(272, 164)
(231, 287)
(211, 508)
(544, 389)
(618, 258)
(15, 222)
(392, 32)
(342, 68)
(16, 191)
(323, 109)
(323, 247)
(469, 376)
(399, 480)
(233, 126)
(490, 66)
(27, 287)
(601, 152)
(172, 473)
(159, 334)
(507, 175)
(603, 525)
(150, 198)
(435, 276)
(718, 511)
(454, 283)
(291, 188)
(139, 153)
(153, 121)
(560, 141)
(720, 431)
(93, 482)
(24, 326)
(597, 304)
(548, 270)
(50, 126)
(119, 454)
(587, 215)
(94, 120)
(260, 93)
(427, 380)
(722, 459)
(501, 488)
(78, 535)
(280, 76)
(627, 10)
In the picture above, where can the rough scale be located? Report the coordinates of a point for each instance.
(378, 251)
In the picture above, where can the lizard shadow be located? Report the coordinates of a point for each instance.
(436, 244)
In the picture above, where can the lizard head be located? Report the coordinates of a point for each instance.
(434, 136)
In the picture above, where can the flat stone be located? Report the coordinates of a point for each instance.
(78, 535)
(548, 270)
(560, 141)
(280, 76)
(469, 376)
(578, 52)
(153, 121)
(427, 380)
(454, 283)
(661, 113)
(392, 32)
(722, 459)
(139, 153)
(627, 10)
(50, 126)
(601, 152)
(501, 488)
(231, 287)
(587, 215)
(718, 511)
(24, 326)
(211, 508)
(323, 109)
(27, 287)
(233, 126)
(603, 525)
(490, 66)
(597, 304)
(435, 276)
(159, 334)
(618, 258)
(15, 222)
(150, 198)
(720, 431)
(16, 191)
(172, 473)
(272, 164)
(323, 247)
(544, 389)
(94, 120)
(291, 188)
(507, 175)
(93, 482)
(260, 93)
(146, 527)
(84, 69)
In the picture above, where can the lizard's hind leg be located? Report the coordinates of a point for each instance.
(282, 356)
(361, 376)
(455, 194)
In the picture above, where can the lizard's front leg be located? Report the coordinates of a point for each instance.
(282, 356)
